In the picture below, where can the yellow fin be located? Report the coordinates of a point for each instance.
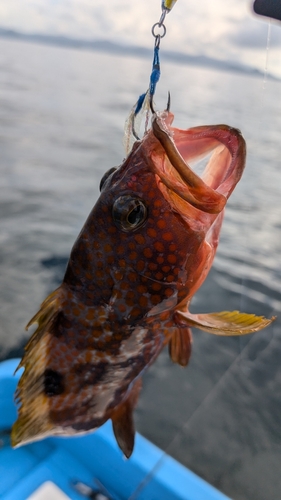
(225, 322)
(48, 309)
(33, 413)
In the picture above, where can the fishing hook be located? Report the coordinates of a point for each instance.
(133, 129)
(168, 104)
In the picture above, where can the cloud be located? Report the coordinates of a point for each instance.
(253, 34)
(216, 28)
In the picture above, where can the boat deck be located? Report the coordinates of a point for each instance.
(57, 463)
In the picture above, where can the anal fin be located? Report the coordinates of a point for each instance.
(123, 423)
(180, 346)
(225, 322)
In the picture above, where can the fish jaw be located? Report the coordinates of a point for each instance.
(171, 153)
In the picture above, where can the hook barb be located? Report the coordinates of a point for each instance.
(168, 102)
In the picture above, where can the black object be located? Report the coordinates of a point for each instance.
(269, 8)
(93, 494)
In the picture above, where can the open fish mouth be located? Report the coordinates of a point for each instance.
(209, 192)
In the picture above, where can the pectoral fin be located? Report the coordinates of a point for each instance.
(122, 421)
(180, 346)
(225, 322)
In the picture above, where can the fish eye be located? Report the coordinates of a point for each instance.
(106, 175)
(129, 213)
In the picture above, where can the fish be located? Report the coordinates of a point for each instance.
(144, 251)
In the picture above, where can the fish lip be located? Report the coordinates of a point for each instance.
(210, 192)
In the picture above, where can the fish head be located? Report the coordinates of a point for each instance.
(150, 240)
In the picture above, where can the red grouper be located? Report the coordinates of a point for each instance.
(145, 249)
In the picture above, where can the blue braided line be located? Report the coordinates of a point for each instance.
(155, 75)
(140, 103)
(154, 78)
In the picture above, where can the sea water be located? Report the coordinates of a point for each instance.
(61, 126)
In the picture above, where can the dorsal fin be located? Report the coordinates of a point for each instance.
(122, 421)
(46, 314)
(180, 346)
(33, 415)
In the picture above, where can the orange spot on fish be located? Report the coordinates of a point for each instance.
(166, 269)
(76, 311)
(136, 311)
(158, 203)
(158, 245)
(96, 333)
(122, 308)
(161, 223)
(156, 286)
(107, 248)
(140, 265)
(124, 285)
(99, 354)
(151, 232)
(139, 239)
(143, 301)
(99, 274)
(118, 275)
(147, 252)
(172, 258)
(159, 276)
(110, 259)
(90, 314)
(132, 276)
(160, 259)
(88, 357)
(167, 236)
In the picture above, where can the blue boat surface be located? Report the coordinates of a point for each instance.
(79, 467)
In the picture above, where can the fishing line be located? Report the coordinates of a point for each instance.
(259, 126)
(265, 74)
(144, 104)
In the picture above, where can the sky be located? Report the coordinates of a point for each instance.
(224, 29)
